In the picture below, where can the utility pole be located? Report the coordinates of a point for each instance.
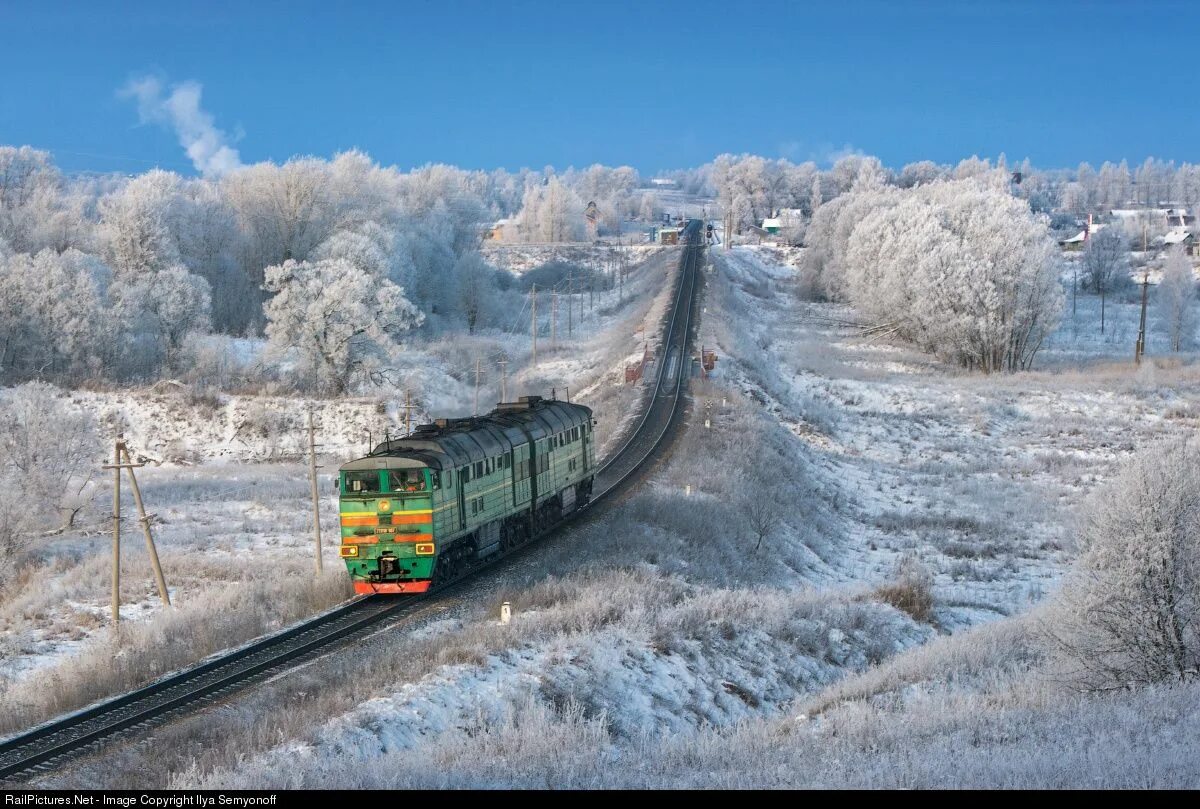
(1074, 286)
(316, 498)
(570, 307)
(477, 386)
(533, 326)
(116, 547)
(553, 318)
(129, 466)
(408, 409)
(503, 379)
(1140, 350)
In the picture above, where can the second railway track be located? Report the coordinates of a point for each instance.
(193, 688)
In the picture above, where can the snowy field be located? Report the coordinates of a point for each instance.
(226, 482)
(882, 629)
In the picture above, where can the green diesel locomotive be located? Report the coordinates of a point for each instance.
(419, 510)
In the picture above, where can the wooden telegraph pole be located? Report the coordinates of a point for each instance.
(116, 547)
(408, 409)
(1140, 350)
(123, 460)
(145, 521)
(533, 323)
(503, 379)
(477, 386)
(553, 319)
(316, 497)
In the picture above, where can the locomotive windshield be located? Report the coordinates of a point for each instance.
(406, 480)
(361, 482)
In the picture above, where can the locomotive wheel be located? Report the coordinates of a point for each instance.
(449, 567)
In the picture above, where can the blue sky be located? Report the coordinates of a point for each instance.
(656, 85)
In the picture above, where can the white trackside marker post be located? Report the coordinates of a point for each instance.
(505, 613)
(687, 490)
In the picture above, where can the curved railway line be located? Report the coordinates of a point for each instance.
(191, 689)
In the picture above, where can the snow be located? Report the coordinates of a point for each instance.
(655, 649)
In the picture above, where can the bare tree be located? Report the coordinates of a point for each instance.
(1130, 614)
(1175, 300)
(762, 515)
(476, 286)
(49, 450)
(1105, 265)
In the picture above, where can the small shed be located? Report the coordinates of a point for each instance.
(1180, 237)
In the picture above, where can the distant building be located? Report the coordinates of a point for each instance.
(662, 182)
(772, 225)
(668, 235)
(1180, 237)
(1079, 240)
(1166, 217)
(503, 230)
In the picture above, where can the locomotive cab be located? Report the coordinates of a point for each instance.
(386, 510)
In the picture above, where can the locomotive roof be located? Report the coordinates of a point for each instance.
(451, 443)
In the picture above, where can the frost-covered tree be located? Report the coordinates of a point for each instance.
(551, 213)
(815, 196)
(53, 315)
(368, 248)
(858, 170)
(1113, 186)
(1130, 613)
(612, 189)
(828, 235)
(1105, 265)
(1175, 301)
(283, 212)
(159, 309)
(209, 244)
(137, 225)
(922, 172)
(960, 268)
(476, 288)
(48, 448)
(37, 209)
(335, 318)
(648, 210)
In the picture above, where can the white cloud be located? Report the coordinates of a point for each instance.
(206, 145)
(828, 154)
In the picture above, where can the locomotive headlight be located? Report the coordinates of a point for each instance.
(349, 550)
(424, 549)
(385, 505)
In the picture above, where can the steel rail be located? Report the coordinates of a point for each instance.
(192, 688)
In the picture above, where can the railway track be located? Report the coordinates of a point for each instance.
(189, 690)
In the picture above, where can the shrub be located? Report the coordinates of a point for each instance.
(1130, 613)
(912, 591)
